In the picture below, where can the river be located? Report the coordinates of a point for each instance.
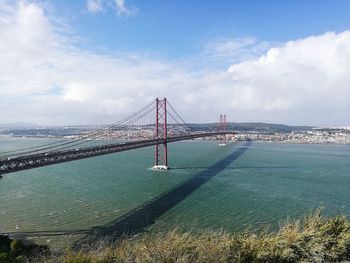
(209, 186)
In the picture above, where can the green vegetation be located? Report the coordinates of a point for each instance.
(16, 251)
(313, 239)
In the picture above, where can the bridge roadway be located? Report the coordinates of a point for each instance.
(25, 162)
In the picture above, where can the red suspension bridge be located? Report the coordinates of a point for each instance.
(137, 130)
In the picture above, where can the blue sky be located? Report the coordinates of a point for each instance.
(95, 61)
(179, 28)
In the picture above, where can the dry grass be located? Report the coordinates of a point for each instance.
(313, 239)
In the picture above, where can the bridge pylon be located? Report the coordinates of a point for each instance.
(161, 133)
(223, 127)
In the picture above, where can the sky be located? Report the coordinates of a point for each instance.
(95, 61)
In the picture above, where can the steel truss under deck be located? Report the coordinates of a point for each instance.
(26, 162)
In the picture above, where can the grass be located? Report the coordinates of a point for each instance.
(313, 239)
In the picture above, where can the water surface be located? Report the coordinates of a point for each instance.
(229, 187)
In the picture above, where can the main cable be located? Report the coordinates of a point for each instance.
(89, 136)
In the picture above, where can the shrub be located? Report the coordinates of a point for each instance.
(16, 247)
(313, 239)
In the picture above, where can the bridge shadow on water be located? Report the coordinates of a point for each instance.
(237, 168)
(138, 219)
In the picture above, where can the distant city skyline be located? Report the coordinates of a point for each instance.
(95, 61)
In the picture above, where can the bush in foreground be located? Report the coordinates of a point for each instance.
(314, 239)
(15, 251)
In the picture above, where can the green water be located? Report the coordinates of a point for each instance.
(229, 187)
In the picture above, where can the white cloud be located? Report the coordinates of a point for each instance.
(307, 79)
(122, 9)
(45, 78)
(43, 75)
(225, 51)
(95, 6)
(241, 47)
(298, 82)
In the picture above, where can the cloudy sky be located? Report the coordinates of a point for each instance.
(95, 61)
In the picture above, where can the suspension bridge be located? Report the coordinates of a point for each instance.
(135, 131)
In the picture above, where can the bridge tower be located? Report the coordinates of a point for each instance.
(223, 128)
(161, 133)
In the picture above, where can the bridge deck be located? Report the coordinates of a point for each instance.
(24, 162)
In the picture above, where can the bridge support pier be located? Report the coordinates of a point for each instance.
(161, 133)
(223, 127)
